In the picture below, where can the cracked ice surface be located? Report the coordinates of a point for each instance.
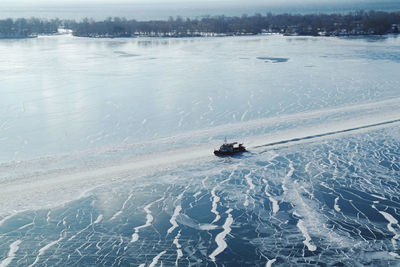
(328, 202)
(116, 168)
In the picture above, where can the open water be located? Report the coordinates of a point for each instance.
(106, 151)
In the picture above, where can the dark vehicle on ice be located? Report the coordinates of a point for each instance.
(229, 149)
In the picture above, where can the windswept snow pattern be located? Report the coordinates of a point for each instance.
(127, 177)
(333, 212)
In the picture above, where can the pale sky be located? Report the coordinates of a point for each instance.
(186, 1)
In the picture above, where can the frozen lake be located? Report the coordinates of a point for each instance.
(106, 151)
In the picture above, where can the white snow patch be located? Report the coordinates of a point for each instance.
(270, 262)
(157, 258)
(336, 206)
(215, 205)
(44, 249)
(220, 238)
(173, 219)
(300, 225)
(11, 254)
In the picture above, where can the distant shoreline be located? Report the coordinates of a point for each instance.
(358, 23)
(143, 10)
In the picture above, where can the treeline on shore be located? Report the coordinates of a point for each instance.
(354, 23)
(24, 28)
